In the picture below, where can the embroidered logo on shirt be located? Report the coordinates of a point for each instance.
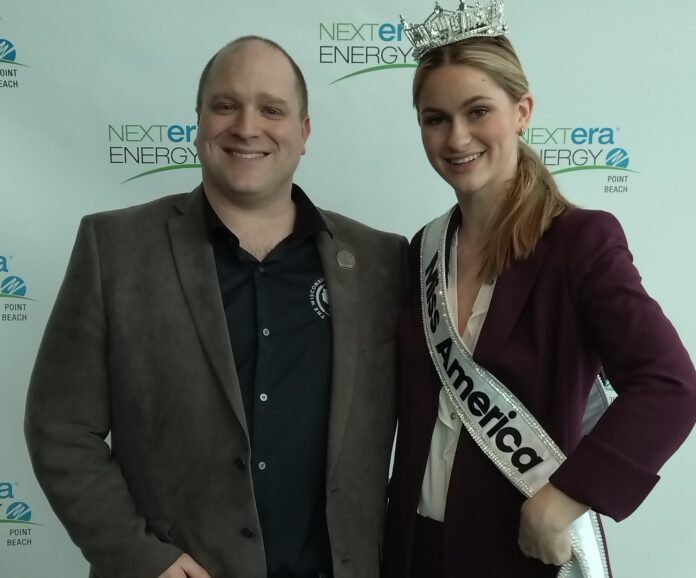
(319, 298)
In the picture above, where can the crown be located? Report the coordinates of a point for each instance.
(447, 27)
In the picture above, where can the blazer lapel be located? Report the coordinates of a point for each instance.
(511, 293)
(195, 264)
(341, 268)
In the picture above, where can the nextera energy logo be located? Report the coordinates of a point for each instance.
(14, 304)
(568, 149)
(152, 148)
(15, 517)
(8, 64)
(371, 46)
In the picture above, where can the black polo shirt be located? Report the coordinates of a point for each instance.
(279, 322)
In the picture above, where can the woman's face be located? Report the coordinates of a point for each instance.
(469, 126)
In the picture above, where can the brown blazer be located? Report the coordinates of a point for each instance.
(137, 346)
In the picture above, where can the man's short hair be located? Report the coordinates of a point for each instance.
(299, 77)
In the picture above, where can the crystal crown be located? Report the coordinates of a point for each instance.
(446, 27)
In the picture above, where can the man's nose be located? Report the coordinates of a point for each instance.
(245, 123)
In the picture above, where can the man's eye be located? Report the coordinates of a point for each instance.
(272, 112)
(433, 120)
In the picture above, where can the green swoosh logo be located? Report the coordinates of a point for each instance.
(592, 168)
(15, 297)
(373, 69)
(3, 61)
(163, 169)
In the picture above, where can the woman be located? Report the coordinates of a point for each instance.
(545, 295)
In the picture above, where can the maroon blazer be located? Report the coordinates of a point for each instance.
(576, 304)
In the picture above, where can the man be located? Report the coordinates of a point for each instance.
(238, 345)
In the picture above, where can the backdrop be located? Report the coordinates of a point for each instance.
(97, 112)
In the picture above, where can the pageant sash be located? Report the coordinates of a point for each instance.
(496, 420)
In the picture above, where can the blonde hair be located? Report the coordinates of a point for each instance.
(533, 199)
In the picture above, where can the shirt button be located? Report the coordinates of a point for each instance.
(247, 533)
(262, 465)
(263, 397)
(261, 269)
(453, 416)
(266, 332)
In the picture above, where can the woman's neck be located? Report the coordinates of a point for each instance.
(477, 211)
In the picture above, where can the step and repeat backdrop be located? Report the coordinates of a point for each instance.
(97, 112)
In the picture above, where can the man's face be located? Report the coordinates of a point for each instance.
(250, 132)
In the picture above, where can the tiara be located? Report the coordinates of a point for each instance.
(447, 27)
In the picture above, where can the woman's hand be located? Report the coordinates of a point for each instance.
(544, 522)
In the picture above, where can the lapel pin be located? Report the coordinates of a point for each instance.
(345, 259)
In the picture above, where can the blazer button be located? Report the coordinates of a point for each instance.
(247, 533)
(240, 463)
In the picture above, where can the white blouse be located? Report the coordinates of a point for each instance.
(447, 425)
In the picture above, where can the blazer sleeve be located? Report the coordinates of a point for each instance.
(66, 424)
(615, 466)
